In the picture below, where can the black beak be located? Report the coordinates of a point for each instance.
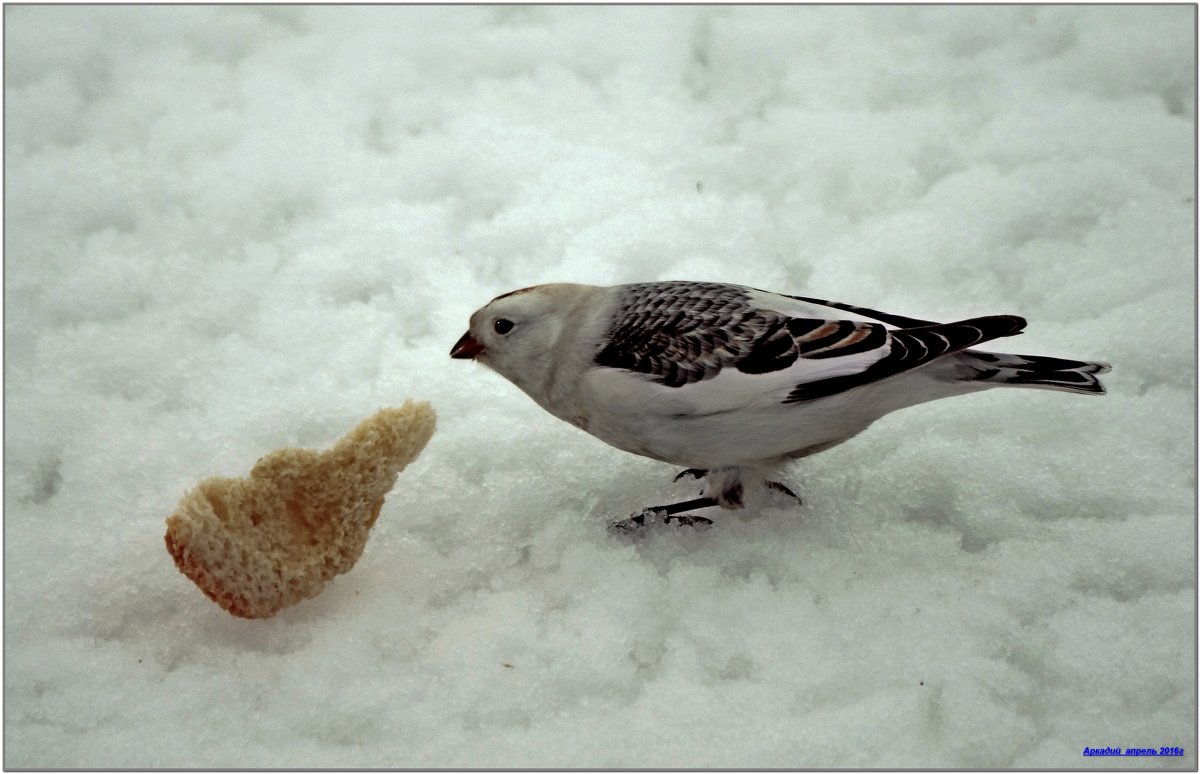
(466, 348)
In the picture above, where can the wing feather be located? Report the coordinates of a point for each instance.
(912, 348)
(898, 321)
(723, 347)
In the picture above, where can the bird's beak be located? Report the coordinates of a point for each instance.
(466, 348)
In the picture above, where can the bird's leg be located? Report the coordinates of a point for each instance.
(778, 487)
(668, 513)
(671, 512)
(773, 486)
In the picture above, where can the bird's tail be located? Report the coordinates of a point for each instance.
(1049, 373)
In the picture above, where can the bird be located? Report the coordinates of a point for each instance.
(732, 382)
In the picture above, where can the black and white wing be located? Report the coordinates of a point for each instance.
(682, 334)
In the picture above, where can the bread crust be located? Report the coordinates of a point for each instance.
(258, 544)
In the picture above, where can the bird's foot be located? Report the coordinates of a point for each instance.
(775, 486)
(687, 521)
(734, 495)
(628, 526)
(676, 513)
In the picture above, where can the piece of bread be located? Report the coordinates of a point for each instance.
(256, 545)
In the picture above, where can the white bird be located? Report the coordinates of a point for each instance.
(732, 382)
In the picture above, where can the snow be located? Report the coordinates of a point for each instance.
(232, 229)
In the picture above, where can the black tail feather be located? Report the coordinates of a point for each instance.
(1050, 373)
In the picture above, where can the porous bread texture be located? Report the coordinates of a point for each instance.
(256, 545)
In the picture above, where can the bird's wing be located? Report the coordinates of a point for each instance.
(815, 307)
(724, 347)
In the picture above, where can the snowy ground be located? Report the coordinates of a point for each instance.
(231, 229)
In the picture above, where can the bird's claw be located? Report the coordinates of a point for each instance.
(687, 521)
(638, 521)
(676, 513)
(696, 473)
(628, 526)
(775, 486)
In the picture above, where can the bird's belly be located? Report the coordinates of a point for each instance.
(683, 428)
(737, 438)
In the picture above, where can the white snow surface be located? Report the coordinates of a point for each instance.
(233, 229)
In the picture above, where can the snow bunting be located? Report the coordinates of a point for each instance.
(732, 382)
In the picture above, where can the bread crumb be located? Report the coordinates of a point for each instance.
(256, 545)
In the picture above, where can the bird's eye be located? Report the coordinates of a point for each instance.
(503, 326)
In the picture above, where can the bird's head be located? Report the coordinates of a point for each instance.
(515, 334)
